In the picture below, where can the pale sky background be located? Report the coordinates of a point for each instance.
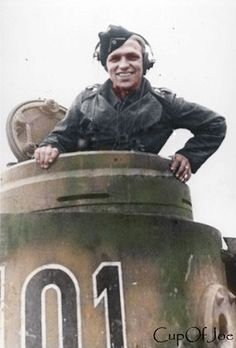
(46, 51)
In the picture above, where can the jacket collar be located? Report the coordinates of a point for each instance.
(107, 92)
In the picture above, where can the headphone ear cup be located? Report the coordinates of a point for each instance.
(145, 63)
(96, 53)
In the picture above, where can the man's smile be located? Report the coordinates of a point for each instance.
(125, 74)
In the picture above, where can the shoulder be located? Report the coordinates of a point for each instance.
(170, 101)
(164, 93)
(90, 91)
(84, 95)
(87, 92)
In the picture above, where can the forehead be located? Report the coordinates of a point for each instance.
(130, 45)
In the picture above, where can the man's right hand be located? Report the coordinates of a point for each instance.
(45, 155)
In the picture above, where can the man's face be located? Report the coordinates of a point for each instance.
(125, 67)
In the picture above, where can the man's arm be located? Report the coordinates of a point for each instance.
(63, 138)
(208, 129)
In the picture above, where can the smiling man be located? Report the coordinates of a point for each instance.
(127, 113)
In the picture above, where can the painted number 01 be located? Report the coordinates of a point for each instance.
(107, 291)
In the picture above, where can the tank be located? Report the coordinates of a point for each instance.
(101, 250)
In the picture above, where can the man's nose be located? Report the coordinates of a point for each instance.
(123, 63)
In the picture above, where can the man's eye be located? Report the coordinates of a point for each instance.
(114, 59)
(133, 57)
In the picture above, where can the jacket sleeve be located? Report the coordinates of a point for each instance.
(65, 135)
(208, 129)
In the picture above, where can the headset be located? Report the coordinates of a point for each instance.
(148, 56)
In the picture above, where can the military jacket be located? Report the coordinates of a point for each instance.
(143, 121)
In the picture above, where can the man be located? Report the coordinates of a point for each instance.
(126, 113)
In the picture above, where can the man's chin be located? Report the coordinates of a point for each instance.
(126, 85)
(125, 88)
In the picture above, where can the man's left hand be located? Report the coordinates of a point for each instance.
(181, 167)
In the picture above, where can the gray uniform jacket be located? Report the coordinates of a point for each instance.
(143, 121)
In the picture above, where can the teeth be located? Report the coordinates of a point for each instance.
(124, 74)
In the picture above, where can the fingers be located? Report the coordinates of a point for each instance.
(46, 155)
(181, 168)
